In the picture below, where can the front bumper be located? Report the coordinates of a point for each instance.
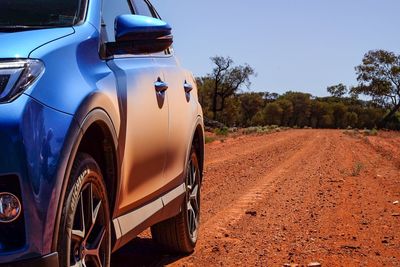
(32, 140)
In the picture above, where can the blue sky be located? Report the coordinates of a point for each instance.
(292, 44)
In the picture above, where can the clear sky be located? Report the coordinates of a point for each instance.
(299, 45)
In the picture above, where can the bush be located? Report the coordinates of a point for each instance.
(222, 131)
(209, 139)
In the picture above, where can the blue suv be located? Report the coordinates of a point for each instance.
(101, 133)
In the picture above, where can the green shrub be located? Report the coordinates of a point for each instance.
(358, 166)
(209, 139)
(222, 131)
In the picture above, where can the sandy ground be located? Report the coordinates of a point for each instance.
(293, 198)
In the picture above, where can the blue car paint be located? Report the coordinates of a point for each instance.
(47, 115)
(125, 24)
(21, 44)
(51, 115)
(27, 130)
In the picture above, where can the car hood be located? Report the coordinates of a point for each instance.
(20, 44)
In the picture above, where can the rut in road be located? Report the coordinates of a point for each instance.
(252, 193)
(297, 197)
(230, 172)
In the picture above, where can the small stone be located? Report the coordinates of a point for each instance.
(251, 213)
(215, 249)
(350, 247)
(396, 202)
(396, 214)
(314, 264)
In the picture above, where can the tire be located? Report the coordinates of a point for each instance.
(179, 234)
(85, 231)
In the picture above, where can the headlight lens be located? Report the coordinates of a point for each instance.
(16, 76)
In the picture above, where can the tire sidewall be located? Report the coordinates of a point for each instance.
(85, 170)
(193, 157)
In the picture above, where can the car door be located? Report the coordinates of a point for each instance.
(183, 111)
(144, 119)
(182, 106)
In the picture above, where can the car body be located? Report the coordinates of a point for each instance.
(134, 112)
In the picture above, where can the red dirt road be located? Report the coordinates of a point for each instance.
(294, 197)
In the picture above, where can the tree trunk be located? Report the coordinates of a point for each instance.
(214, 100)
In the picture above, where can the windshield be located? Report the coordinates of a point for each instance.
(39, 13)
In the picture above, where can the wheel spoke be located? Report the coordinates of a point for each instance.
(87, 202)
(92, 211)
(97, 241)
(189, 177)
(95, 213)
(194, 193)
(192, 222)
(189, 206)
(94, 257)
(94, 251)
(78, 228)
(194, 199)
(193, 175)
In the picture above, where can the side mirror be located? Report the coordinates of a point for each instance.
(136, 34)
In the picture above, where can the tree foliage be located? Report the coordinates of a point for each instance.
(227, 81)
(337, 90)
(379, 77)
(222, 98)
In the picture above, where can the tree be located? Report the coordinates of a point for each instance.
(339, 115)
(379, 77)
(352, 119)
(273, 114)
(251, 103)
(287, 111)
(301, 107)
(232, 113)
(205, 85)
(227, 81)
(337, 90)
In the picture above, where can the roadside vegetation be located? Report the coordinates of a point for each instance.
(226, 101)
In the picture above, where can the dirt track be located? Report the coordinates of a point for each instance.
(298, 197)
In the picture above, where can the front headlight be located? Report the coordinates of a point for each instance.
(16, 76)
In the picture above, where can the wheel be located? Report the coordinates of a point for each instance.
(180, 233)
(85, 233)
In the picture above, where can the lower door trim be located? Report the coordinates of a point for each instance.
(126, 223)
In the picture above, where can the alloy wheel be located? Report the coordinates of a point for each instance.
(88, 242)
(193, 198)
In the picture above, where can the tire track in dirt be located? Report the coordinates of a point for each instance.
(256, 192)
(311, 205)
(226, 218)
(232, 148)
(225, 181)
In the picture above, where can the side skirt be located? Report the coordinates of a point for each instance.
(131, 224)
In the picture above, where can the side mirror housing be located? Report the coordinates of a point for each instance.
(136, 34)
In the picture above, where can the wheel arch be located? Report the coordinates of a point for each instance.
(97, 137)
(198, 143)
(99, 141)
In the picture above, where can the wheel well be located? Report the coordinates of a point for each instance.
(97, 141)
(198, 143)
